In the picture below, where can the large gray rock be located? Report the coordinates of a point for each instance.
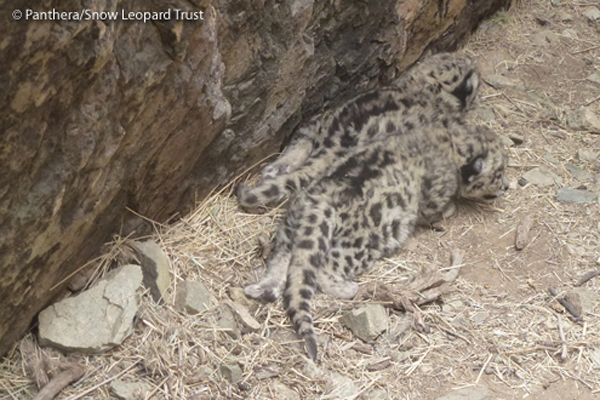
(97, 117)
(97, 319)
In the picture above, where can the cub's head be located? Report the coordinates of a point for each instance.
(482, 174)
(456, 75)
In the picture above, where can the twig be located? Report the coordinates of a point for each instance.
(585, 50)
(563, 341)
(592, 101)
(587, 276)
(570, 307)
(482, 370)
(59, 382)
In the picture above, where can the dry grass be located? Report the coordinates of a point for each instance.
(498, 326)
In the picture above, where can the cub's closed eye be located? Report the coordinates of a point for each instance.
(489, 196)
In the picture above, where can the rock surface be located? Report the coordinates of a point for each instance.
(99, 116)
(125, 390)
(155, 267)
(193, 297)
(97, 319)
(367, 322)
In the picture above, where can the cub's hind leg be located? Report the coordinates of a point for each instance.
(270, 287)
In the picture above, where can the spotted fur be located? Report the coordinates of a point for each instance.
(437, 90)
(405, 166)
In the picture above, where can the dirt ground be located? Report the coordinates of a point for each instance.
(497, 328)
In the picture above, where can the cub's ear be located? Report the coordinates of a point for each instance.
(470, 170)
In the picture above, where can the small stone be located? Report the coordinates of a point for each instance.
(247, 321)
(542, 177)
(516, 139)
(193, 297)
(130, 390)
(577, 196)
(502, 82)
(228, 324)
(592, 13)
(232, 372)
(584, 119)
(578, 173)
(155, 267)
(555, 2)
(339, 386)
(588, 155)
(281, 391)
(564, 16)
(267, 372)
(522, 181)
(367, 322)
(237, 295)
(479, 392)
(594, 77)
(97, 319)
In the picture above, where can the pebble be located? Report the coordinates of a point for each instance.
(592, 13)
(578, 173)
(577, 196)
(155, 267)
(232, 372)
(367, 322)
(247, 321)
(193, 297)
(542, 177)
(228, 324)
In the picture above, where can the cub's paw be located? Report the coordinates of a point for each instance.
(248, 200)
(266, 291)
(274, 170)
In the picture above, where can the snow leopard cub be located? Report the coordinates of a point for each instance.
(367, 207)
(441, 87)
